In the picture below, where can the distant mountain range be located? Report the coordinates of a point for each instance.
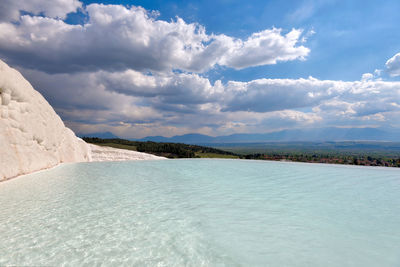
(296, 135)
(306, 135)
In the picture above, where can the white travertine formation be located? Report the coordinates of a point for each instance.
(101, 153)
(32, 135)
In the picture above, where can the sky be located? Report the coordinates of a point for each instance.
(143, 68)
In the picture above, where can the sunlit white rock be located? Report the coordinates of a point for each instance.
(32, 135)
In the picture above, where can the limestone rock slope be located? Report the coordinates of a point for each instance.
(32, 135)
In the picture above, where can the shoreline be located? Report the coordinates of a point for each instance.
(37, 171)
(326, 163)
(99, 154)
(255, 160)
(104, 154)
(297, 162)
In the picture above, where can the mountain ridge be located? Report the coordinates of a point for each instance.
(294, 135)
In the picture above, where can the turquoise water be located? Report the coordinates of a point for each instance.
(202, 213)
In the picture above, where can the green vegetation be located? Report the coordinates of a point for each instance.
(353, 153)
(216, 155)
(169, 150)
(389, 149)
(120, 146)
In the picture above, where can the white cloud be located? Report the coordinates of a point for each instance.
(266, 95)
(190, 102)
(262, 48)
(335, 108)
(10, 9)
(119, 38)
(179, 92)
(367, 76)
(377, 72)
(128, 72)
(393, 65)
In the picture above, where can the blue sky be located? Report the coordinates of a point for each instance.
(363, 34)
(211, 67)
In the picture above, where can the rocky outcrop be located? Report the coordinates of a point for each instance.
(32, 135)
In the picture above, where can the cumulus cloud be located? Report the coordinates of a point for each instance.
(118, 38)
(189, 101)
(10, 9)
(393, 65)
(265, 95)
(170, 88)
(262, 48)
(128, 72)
(75, 91)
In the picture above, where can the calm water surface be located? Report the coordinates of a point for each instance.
(202, 213)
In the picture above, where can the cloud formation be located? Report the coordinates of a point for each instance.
(118, 38)
(393, 65)
(10, 10)
(189, 101)
(262, 48)
(126, 71)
